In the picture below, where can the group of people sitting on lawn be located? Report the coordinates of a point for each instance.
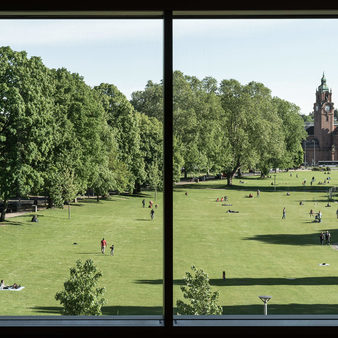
(3, 286)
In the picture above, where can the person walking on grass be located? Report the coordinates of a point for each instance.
(320, 216)
(321, 238)
(284, 213)
(112, 250)
(328, 238)
(152, 212)
(143, 203)
(103, 245)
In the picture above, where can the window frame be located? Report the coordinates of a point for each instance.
(174, 323)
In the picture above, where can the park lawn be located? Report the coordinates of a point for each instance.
(260, 253)
(39, 255)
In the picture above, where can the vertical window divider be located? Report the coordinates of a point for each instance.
(168, 168)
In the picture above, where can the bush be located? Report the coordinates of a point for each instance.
(80, 296)
(202, 301)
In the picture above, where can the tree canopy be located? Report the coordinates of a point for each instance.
(225, 127)
(59, 137)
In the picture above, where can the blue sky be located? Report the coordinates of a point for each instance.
(287, 55)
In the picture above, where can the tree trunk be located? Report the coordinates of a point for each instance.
(137, 188)
(50, 203)
(231, 174)
(239, 173)
(229, 178)
(3, 211)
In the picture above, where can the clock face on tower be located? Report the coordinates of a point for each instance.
(316, 107)
(327, 108)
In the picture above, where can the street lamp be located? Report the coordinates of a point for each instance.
(265, 300)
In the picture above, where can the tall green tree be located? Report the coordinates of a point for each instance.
(151, 147)
(26, 124)
(121, 116)
(294, 133)
(80, 135)
(251, 124)
(149, 100)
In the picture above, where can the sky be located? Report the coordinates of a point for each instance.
(288, 56)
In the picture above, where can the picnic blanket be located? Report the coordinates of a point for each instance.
(12, 289)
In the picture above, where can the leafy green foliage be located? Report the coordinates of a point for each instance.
(26, 123)
(201, 300)
(80, 296)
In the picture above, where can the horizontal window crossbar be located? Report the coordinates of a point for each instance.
(82, 321)
(256, 320)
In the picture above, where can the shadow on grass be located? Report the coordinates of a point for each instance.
(140, 194)
(92, 253)
(6, 222)
(256, 309)
(294, 239)
(329, 280)
(243, 187)
(106, 310)
(29, 215)
(281, 309)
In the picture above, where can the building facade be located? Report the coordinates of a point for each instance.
(322, 140)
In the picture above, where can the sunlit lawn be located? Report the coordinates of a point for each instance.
(39, 255)
(260, 253)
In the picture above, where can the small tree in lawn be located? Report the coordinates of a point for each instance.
(201, 300)
(81, 297)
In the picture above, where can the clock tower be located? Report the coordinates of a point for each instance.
(323, 120)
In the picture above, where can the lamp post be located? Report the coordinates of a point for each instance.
(274, 184)
(265, 300)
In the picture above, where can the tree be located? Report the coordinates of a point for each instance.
(251, 124)
(201, 300)
(121, 117)
(26, 124)
(294, 133)
(81, 297)
(149, 101)
(196, 112)
(151, 147)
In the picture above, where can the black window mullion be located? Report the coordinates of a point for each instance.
(168, 169)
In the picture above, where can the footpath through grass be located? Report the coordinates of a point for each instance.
(261, 253)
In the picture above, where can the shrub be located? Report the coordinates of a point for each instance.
(80, 296)
(202, 301)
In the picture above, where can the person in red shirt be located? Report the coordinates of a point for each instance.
(103, 245)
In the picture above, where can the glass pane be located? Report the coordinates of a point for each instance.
(77, 162)
(255, 152)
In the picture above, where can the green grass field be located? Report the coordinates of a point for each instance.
(261, 253)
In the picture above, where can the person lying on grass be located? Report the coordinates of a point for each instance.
(4, 287)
